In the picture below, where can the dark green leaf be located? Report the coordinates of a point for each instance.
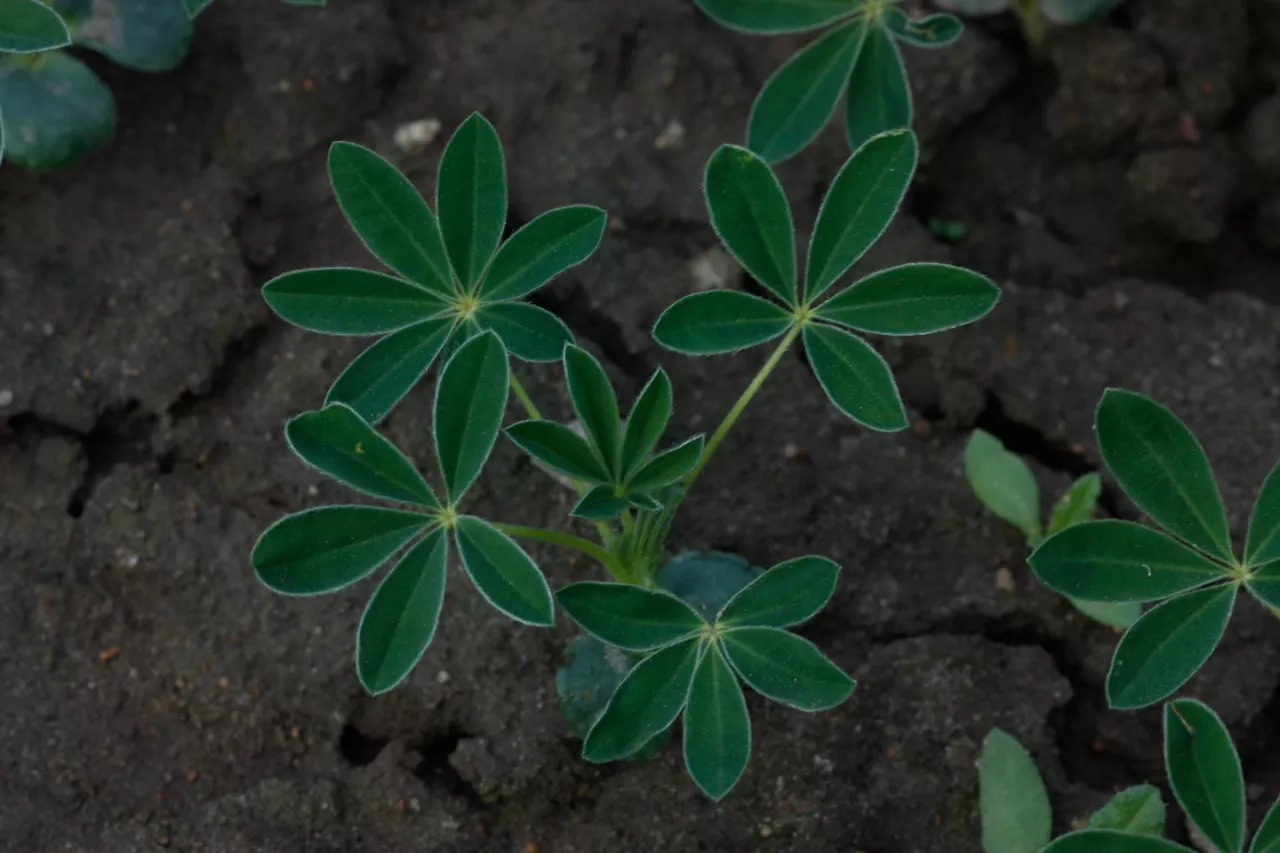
(1116, 614)
(644, 501)
(600, 504)
(56, 111)
(390, 216)
(786, 668)
(552, 243)
(1139, 809)
(471, 197)
(558, 447)
(1077, 503)
(402, 616)
(1205, 773)
(1004, 484)
(595, 404)
(1112, 841)
(144, 35)
(776, 16)
(1265, 584)
(587, 681)
(327, 548)
(1163, 469)
(938, 30)
(646, 423)
(913, 299)
(750, 214)
(1268, 838)
(706, 581)
(720, 321)
(471, 398)
(630, 617)
(858, 207)
(342, 301)
(195, 7)
(529, 332)
(503, 573)
(669, 466)
(798, 101)
(1120, 561)
(648, 701)
(29, 26)
(1016, 816)
(336, 441)
(878, 98)
(786, 595)
(383, 374)
(717, 729)
(1263, 543)
(1167, 645)
(855, 377)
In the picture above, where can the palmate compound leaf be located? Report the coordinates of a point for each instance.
(646, 423)
(630, 617)
(471, 398)
(776, 16)
(1263, 542)
(913, 299)
(1004, 484)
(786, 668)
(1016, 815)
(1139, 810)
(1112, 841)
(471, 198)
(344, 301)
(751, 216)
(787, 594)
(30, 26)
(552, 243)
(937, 30)
(856, 378)
(1205, 773)
(648, 700)
(879, 97)
(503, 573)
(717, 728)
(720, 321)
(595, 404)
(383, 374)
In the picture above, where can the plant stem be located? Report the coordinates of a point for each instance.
(568, 540)
(524, 398)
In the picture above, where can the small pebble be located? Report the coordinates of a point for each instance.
(672, 136)
(6, 398)
(1004, 580)
(442, 677)
(417, 136)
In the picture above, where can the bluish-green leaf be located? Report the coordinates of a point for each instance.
(786, 668)
(1139, 809)
(552, 243)
(402, 615)
(855, 377)
(937, 30)
(560, 448)
(706, 580)
(145, 35)
(648, 701)
(913, 299)
(391, 217)
(1205, 773)
(644, 501)
(383, 374)
(600, 504)
(798, 101)
(343, 301)
(471, 398)
(646, 422)
(338, 442)
(1014, 806)
(879, 97)
(1077, 503)
(595, 404)
(587, 681)
(717, 728)
(858, 207)
(529, 332)
(1112, 841)
(56, 111)
(1263, 543)
(720, 321)
(1265, 584)
(751, 215)
(503, 573)
(1163, 469)
(630, 617)
(786, 595)
(669, 466)
(471, 198)
(29, 26)
(1004, 484)
(327, 548)
(776, 16)
(1268, 838)
(1167, 646)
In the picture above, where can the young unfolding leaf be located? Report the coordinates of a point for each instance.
(788, 594)
(1112, 841)
(646, 423)
(1205, 772)
(503, 572)
(750, 214)
(855, 377)
(1016, 816)
(1004, 483)
(1263, 543)
(552, 243)
(879, 96)
(56, 111)
(1077, 504)
(913, 299)
(630, 617)
(669, 466)
(471, 398)
(560, 448)
(595, 404)
(1268, 838)
(720, 321)
(342, 301)
(600, 503)
(1139, 810)
(383, 374)
(938, 30)
(30, 26)
(1265, 584)
(786, 668)
(471, 198)
(529, 332)
(652, 696)
(717, 729)
(776, 16)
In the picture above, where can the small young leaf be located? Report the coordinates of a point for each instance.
(1167, 645)
(646, 423)
(471, 198)
(669, 466)
(1268, 838)
(402, 615)
(798, 101)
(1263, 543)
(720, 321)
(879, 97)
(392, 219)
(786, 668)
(383, 374)
(938, 30)
(1004, 484)
(600, 504)
(1205, 773)
(560, 448)
(471, 398)
(644, 501)
(858, 207)
(529, 332)
(1016, 816)
(751, 216)
(595, 404)
(336, 441)
(552, 243)
(913, 299)
(340, 301)
(1139, 809)
(503, 573)
(1163, 469)
(1112, 841)
(855, 377)
(630, 617)
(1120, 561)
(786, 595)
(1116, 614)
(776, 16)
(648, 701)
(56, 110)
(29, 26)
(330, 547)
(717, 728)
(1077, 503)
(144, 35)
(1265, 584)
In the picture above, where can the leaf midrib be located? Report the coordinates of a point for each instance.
(496, 571)
(405, 230)
(1173, 636)
(472, 405)
(518, 272)
(849, 365)
(803, 102)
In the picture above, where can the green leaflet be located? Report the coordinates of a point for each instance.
(529, 332)
(646, 423)
(503, 572)
(601, 504)
(1117, 614)
(391, 218)
(706, 581)
(776, 16)
(587, 681)
(1263, 542)
(195, 7)
(647, 701)
(669, 466)
(1004, 484)
(595, 404)
(719, 321)
(560, 448)
(798, 101)
(29, 26)
(471, 198)
(786, 595)
(786, 668)
(1205, 773)
(552, 243)
(1163, 469)
(879, 97)
(1268, 838)
(751, 216)
(1112, 841)
(325, 549)
(336, 441)
(471, 398)
(858, 207)
(1120, 561)
(1077, 503)
(56, 111)
(1167, 645)
(1265, 584)
(344, 301)
(1016, 816)
(383, 374)
(855, 377)
(144, 35)
(630, 617)
(644, 500)
(938, 30)
(717, 729)
(913, 299)
(401, 618)
(1139, 809)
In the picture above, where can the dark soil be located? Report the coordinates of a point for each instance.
(1125, 191)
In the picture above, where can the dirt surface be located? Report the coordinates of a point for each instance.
(1125, 191)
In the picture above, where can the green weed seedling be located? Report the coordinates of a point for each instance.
(1193, 573)
(1037, 16)
(857, 60)
(1005, 484)
(663, 640)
